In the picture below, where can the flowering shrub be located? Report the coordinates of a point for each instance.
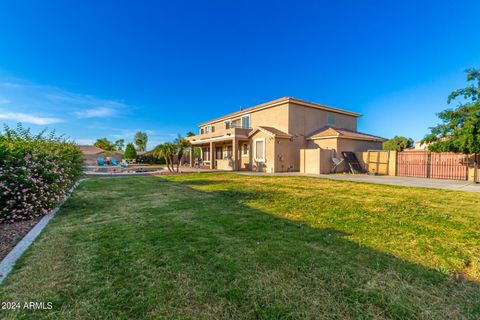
(35, 172)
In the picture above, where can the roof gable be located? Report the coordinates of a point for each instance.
(271, 131)
(331, 132)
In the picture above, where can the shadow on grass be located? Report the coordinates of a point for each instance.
(207, 254)
(370, 282)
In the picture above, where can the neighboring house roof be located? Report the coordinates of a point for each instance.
(276, 102)
(331, 132)
(91, 150)
(271, 131)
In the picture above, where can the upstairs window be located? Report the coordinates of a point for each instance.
(236, 123)
(228, 124)
(330, 119)
(208, 129)
(202, 131)
(246, 122)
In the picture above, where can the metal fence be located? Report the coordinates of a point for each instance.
(443, 165)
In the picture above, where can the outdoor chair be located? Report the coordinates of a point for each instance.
(113, 162)
(101, 161)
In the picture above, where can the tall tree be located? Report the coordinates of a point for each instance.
(105, 144)
(398, 143)
(190, 134)
(182, 144)
(141, 140)
(130, 152)
(119, 144)
(459, 130)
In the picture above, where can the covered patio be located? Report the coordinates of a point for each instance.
(227, 154)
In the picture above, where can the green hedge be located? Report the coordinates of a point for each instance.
(35, 172)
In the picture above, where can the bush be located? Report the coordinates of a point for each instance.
(148, 158)
(35, 172)
(130, 152)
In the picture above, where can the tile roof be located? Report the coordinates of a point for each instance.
(327, 132)
(271, 131)
(281, 101)
(88, 150)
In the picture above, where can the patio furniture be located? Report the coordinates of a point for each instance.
(113, 162)
(101, 161)
(198, 162)
(336, 163)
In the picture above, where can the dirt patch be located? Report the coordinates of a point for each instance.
(11, 233)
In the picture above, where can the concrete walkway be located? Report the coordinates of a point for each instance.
(398, 181)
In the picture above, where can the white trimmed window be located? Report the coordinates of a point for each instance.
(208, 129)
(228, 124)
(246, 122)
(259, 145)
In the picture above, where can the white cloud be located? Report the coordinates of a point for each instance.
(28, 118)
(96, 112)
(21, 96)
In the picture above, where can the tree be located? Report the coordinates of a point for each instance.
(190, 134)
(141, 140)
(105, 144)
(181, 144)
(459, 130)
(119, 144)
(398, 143)
(167, 152)
(130, 152)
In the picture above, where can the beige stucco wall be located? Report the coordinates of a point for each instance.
(276, 117)
(315, 161)
(357, 145)
(471, 170)
(285, 155)
(305, 120)
(269, 164)
(338, 145)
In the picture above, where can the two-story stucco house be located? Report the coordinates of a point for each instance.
(269, 137)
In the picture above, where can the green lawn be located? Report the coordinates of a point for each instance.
(232, 246)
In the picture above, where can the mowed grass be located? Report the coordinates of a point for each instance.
(228, 246)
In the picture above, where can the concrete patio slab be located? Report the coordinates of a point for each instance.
(398, 181)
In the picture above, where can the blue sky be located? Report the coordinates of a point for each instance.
(109, 68)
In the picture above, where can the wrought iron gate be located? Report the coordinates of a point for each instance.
(438, 165)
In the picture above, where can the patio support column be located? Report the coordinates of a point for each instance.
(212, 156)
(191, 155)
(235, 154)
